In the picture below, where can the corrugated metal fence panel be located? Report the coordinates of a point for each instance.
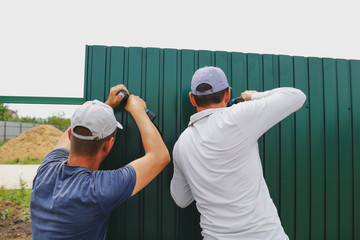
(311, 160)
(331, 149)
(302, 155)
(41, 100)
(355, 86)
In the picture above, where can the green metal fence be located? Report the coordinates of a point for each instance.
(311, 160)
(42, 100)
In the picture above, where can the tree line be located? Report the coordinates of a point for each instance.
(58, 120)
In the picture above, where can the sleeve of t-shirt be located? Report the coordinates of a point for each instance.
(179, 187)
(266, 109)
(112, 187)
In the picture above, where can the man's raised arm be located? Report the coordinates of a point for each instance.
(156, 154)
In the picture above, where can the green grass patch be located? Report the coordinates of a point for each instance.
(3, 142)
(5, 213)
(15, 203)
(18, 196)
(24, 161)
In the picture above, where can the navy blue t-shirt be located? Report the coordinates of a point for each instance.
(73, 202)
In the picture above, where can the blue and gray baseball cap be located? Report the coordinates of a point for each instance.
(213, 76)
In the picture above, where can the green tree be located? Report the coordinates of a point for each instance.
(58, 121)
(26, 120)
(4, 112)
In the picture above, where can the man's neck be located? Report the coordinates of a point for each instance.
(92, 163)
(218, 105)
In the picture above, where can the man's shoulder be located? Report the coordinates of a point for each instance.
(183, 137)
(51, 162)
(58, 154)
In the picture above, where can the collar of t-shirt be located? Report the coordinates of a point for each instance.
(203, 114)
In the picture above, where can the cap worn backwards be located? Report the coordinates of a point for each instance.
(96, 116)
(213, 76)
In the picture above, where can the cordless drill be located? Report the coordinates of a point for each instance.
(150, 114)
(235, 101)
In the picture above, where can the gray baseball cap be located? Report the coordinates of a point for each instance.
(96, 116)
(213, 76)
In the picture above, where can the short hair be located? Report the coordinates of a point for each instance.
(206, 100)
(87, 147)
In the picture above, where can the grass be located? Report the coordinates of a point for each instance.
(6, 213)
(19, 197)
(27, 160)
(3, 142)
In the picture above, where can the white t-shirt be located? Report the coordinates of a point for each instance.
(217, 164)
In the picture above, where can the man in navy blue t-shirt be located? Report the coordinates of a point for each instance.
(71, 199)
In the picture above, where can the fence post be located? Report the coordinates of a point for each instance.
(4, 130)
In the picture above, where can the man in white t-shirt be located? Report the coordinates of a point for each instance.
(217, 162)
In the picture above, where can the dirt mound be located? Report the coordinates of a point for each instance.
(33, 143)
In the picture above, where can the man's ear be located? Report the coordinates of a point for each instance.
(108, 145)
(69, 133)
(227, 96)
(192, 99)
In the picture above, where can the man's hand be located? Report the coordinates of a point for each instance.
(247, 94)
(135, 104)
(114, 100)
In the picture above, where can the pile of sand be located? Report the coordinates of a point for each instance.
(36, 142)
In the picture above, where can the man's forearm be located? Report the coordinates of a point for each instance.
(64, 141)
(150, 136)
(156, 154)
(299, 97)
(268, 108)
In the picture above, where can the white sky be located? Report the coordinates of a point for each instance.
(42, 42)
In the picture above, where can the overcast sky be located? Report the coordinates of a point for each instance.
(42, 50)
